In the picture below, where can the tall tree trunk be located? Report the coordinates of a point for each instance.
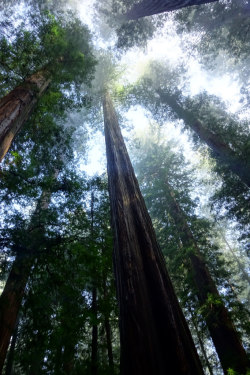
(109, 344)
(222, 150)
(10, 358)
(68, 358)
(12, 295)
(150, 7)
(226, 341)
(94, 343)
(10, 301)
(201, 344)
(16, 107)
(155, 338)
(107, 327)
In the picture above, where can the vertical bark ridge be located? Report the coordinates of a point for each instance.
(155, 338)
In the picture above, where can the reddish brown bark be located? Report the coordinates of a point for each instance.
(16, 107)
(154, 335)
(223, 333)
(222, 150)
(10, 302)
(150, 7)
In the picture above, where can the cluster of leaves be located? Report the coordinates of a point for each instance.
(57, 312)
(59, 46)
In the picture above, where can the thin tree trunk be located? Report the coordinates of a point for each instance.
(225, 338)
(222, 150)
(10, 358)
(37, 360)
(109, 344)
(202, 347)
(68, 355)
(16, 107)
(12, 295)
(241, 267)
(155, 338)
(94, 343)
(107, 327)
(150, 7)
(10, 301)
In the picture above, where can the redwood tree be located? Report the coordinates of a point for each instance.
(225, 338)
(239, 165)
(12, 295)
(155, 338)
(59, 55)
(16, 107)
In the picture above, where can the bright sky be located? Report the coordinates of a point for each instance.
(166, 49)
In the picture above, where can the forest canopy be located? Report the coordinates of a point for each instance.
(124, 187)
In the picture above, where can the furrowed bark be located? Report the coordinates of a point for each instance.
(154, 335)
(12, 295)
(16, 107)
(223, 333)
(222, 150)
(150, 7)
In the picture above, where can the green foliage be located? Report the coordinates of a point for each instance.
(231, 197)
(159, 163)
(135, 34)
(57, 45)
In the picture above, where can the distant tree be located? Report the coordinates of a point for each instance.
(208, 123)
(159, 167)
(11, 297)
(227, 138)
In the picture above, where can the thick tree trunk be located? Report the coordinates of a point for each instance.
(12, 295)
(150, 7)
(222, 150)
(154, 335)
(16, 107)
(226, 341)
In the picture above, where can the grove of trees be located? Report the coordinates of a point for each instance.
(142, 269)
